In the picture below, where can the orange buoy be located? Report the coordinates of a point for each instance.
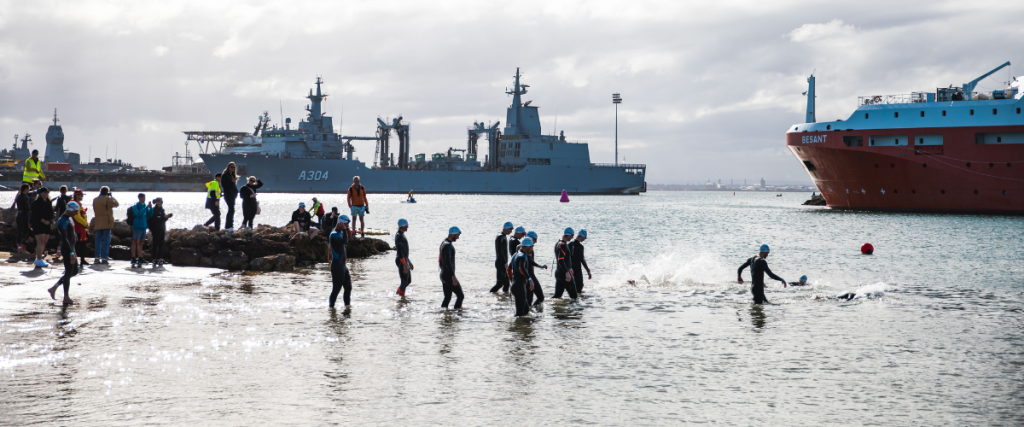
(867, 249)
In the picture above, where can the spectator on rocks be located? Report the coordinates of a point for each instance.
(359, 205)
(24, 204)
(103, 208)
(301, 219)
(250, 206)
(317, 210)
(158, 226)
(213, 193)
(81, 221)
(229, 185)
(141, 213)
(329, 222)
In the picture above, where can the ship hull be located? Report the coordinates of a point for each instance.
(961, 175)
(327, 176)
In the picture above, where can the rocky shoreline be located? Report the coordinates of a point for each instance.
(264, 248)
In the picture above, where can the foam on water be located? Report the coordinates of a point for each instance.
(669, 270)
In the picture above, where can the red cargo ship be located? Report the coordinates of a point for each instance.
(952, 150)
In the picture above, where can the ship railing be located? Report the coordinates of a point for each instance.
(630, 168)
(902, 98)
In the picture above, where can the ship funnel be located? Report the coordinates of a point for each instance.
(810, 99)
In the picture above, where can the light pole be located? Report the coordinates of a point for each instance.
(616, 99)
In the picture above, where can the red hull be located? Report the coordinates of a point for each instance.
(958, 176)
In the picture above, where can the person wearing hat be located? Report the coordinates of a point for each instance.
(501, 260)
(579, 262)
(446, 260)
(213, 193)
(103, 211)
(522, 281)
(141, 213)
(317, 210)
(81, 221)
(758, 268)
(563, 266)
(33, 168)
(402, 257)
(329, 221)
(513, 243)
(250, 207)
(42, 218)
(158, 226)
(66, 233)
(340, 276)
(538, 291)
(802, 282)
(301, 219)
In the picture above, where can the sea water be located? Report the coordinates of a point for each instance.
(663, 334)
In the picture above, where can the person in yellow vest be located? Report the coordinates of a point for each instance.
(33, 168)
(213, 192)
(81, 226)
(318, 212)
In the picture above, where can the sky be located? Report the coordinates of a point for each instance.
(708, 88)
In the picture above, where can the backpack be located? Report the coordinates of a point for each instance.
(131, 216)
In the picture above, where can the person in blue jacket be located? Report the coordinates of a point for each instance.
(141, 212)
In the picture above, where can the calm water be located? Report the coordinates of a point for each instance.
(943, 344)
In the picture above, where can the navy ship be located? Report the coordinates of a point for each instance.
(519, 159)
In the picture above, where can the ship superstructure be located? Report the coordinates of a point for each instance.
(951, 150)
(518, 157)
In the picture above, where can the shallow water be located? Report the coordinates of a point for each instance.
(941, 343)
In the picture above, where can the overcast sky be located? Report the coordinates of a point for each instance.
(709, 88)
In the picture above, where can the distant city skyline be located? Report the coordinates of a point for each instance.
(709, 90)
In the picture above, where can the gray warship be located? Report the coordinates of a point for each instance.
(519, 158)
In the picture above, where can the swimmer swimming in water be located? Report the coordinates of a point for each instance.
(802, 282)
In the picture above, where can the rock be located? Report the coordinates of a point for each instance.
(8, 216)
(230, 260)
(114, 240)
(816, 200)
(184, 257)
(205, 262)
(199, 239)
(362, 247)
(120, 253)
(280, 262)
(122, 230)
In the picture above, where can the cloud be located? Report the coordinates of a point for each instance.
(813, 32)
(709, 87)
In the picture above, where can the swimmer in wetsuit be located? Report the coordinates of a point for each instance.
(513, 243)
(563, 266)
(537, 290)
(522, 282)
(579, 262)
(340, 277)
(802, 282)
(402, 257)
(501, 251)
(446, 260)
(758, 268)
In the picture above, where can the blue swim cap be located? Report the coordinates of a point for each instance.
(344, 219)
(528, 242)
(454, 230)
(520, 229)
(508, 225)
(803, 278)
(569, 232)
(532, 235)
(402, 222)
(764, 248)
(73, 206)
(583, 233)
(302, 205)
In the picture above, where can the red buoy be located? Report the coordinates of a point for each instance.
(867, 249)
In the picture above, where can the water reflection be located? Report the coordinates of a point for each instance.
(757, 316)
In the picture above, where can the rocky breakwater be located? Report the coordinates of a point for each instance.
(264, 249)
(816, 200)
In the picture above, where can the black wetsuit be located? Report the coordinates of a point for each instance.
(563, 264)
(229, 190)
(446, 260)
(401, 260)
(500, 263)
(41, 210)
(68, 238)
(340, 276)
(329, 222)
(758, 268)
(513, 244)
(521, 283)
(158, 226)
(578, 262)
(537, 290)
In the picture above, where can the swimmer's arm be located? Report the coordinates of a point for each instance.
(739, 272)
(773, 276)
